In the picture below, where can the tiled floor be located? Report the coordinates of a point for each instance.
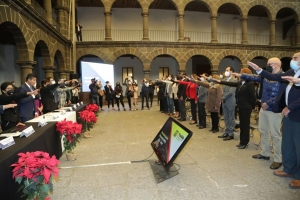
(209, 167)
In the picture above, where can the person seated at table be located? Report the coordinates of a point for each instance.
(10, 117)
(47, 95)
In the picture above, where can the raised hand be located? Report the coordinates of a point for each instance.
(236, 74)
(9, 106)
(291, 79)
(254, 66)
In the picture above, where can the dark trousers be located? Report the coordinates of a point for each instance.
(214, 120)
(145, 96)
(201, 114)
(112, 102)
(176, 104)
(79, 36)
(7, 125)
(129, 101)
(182, 108)
(150, 98)
(244, 115)
(290, 147)
(100, 101)
(25, 119)
(193, 109)
(166, 106)
(161, 105)
(120, 100)
(75, 99)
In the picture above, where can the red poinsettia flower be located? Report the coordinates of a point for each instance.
(88, 116)
(92, 108)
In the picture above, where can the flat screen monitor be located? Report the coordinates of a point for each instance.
(169, 142)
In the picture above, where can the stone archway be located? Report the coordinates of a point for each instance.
(234, 53)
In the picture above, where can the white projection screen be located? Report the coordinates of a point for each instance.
(99, 71)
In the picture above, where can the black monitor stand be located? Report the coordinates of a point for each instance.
(160, 174)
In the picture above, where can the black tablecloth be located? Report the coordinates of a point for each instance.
(43, 139)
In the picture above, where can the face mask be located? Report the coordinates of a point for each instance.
(10, 92)
(269, 69)
(202, 79)
(147, 84)
(294, 65)
(13, 84)
(227, 74)
(129, 82)
(221, 76)
(52, 82)
(169, 78)
(34, 85)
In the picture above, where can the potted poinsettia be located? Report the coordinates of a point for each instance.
(35, 172)
(70, 131)
(93, 107)
(88, 119)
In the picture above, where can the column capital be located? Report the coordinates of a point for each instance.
(181, 70)
(214, 71)
(244, 19)
(272, 21)
(107, 13)
(213, 17)
(49, 68)
(25, 62)
(62, 8)
(180, 15)
(145, 14)
(146, 71)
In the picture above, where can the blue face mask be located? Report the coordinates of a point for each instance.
(294, 65)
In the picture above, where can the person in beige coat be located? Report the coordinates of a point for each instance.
(134, 88)
(213, 101)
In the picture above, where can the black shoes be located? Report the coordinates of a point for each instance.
(275, 165)
(229, 137)
(243, 146)
(202, 127)
(259, 156)
(181, 119)
(214, 130)
(223, 136)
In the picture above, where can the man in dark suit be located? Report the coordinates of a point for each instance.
(26, 106)
(78, 32)
(288, 103)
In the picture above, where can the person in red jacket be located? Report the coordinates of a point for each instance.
(191, 92)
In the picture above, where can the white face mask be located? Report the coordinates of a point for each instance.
(294, 65)
(169, 78)
(34, 85)
(201, 79)
(221, 76)
(147, 84)
(227, 74)
(52, 82)
(175, 79)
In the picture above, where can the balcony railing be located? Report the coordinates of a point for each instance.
(172, 36)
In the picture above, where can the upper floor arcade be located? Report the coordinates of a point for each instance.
(262, 22)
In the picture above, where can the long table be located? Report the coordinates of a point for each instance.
(44, 138)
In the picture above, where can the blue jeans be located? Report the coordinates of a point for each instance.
(170, 104)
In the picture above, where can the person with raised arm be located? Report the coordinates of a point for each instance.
(213, 100)
(269, 123)
(287, 102)
(246, 99)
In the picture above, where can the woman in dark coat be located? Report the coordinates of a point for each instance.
(119, 96)
(109, 95)
(47, 97)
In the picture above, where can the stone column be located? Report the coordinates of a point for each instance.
(28, 1)
(49, 71)
(298, 34)
(244, 31)
(146, 74)
(181, 27)
(272, 32)
(214, 71)
(48, 8)
(214, 37)
(62, 75)
(62, 19)
(107, 25)
(26, 68)
(145, 26)
(181, 71)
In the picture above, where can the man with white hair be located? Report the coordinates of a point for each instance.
(269, 122)
(288, 103)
